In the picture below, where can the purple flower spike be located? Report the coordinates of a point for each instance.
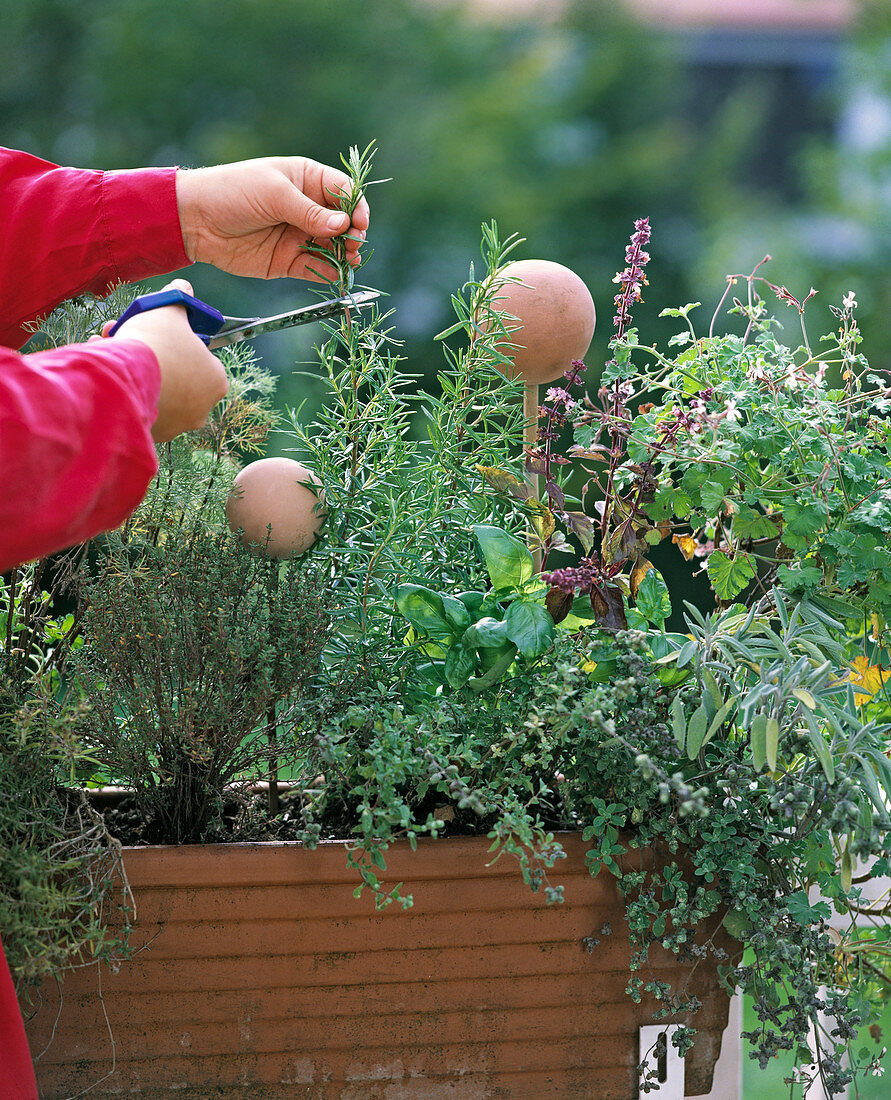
(632, 278)
(573, 579)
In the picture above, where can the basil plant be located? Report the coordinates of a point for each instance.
(473, 638)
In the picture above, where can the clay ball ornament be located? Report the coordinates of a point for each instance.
(273, 509)
(555, 318)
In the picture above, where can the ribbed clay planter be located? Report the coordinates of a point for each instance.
(263, 977)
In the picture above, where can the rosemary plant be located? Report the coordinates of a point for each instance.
(400, 468)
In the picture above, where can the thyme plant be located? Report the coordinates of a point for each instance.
(192, 649)
(197, 650)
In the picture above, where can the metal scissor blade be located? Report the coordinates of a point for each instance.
(244, 328)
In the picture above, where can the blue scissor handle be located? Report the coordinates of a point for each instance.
(204, 319)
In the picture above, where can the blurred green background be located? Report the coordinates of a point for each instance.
(564, 122)
(736, 141)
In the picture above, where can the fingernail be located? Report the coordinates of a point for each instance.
(335, 222)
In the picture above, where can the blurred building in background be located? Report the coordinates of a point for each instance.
(784, 53)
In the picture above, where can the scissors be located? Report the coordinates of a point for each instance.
(217, 330)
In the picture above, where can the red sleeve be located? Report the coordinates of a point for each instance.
(15, 1058)
(75, 445)
(64, 231)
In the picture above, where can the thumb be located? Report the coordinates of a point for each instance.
(315, 220)
(179, 284)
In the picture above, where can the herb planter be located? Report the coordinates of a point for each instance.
(263, 976)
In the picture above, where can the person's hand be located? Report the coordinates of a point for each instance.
(256, 217)
(192, 378)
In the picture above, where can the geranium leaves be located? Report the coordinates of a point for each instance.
(730, 575)
(802, 522)
(751, 524)
(768, 464)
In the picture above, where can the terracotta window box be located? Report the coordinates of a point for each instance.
(263, 976)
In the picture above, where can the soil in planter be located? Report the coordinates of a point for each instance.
(245, 816)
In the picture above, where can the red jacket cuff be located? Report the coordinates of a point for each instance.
(140, 223)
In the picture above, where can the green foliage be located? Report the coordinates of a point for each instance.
(79, 318)
(730, 575)
(743, 847)
(762, 677)
(740, 752)
(196, 651)
(478, 635)
(757, 471)
(399, 470)
(737, 447)
(652, 602)
(358, 167)
(741, 755)
(59, 868)
(193, 650)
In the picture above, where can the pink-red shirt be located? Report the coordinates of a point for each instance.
(75, 448)
(76, 455)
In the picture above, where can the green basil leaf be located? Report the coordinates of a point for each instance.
(601, 672)
(672, 677)
(508, 561)
(661, 645)
(460, 665)
(423, 609)
(530, 628)
(456, 613)
(493, 655)
(486, 633)
(473, 601)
